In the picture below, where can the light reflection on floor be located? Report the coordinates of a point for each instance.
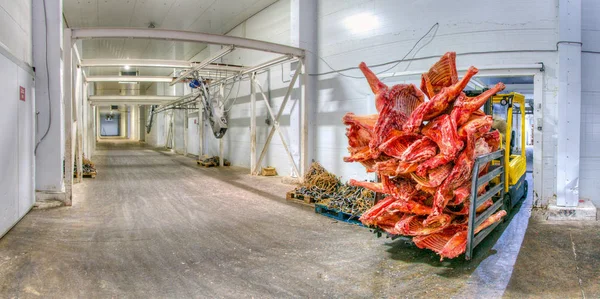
(493, 274)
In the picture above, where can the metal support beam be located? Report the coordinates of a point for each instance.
(281, 108)
(185, 36)
(304, 147)
(276, 127)
(253, 125)
(202, 64)
(201, 128)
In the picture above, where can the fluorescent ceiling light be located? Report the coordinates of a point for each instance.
(126, 67)
(361, 22)
(126, 82)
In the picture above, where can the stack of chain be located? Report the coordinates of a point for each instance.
(88, 166)
(327, 190)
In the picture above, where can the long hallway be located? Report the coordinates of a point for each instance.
(154, 224)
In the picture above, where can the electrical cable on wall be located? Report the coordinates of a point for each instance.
(48, 82)
(234, 99)
(396, 62)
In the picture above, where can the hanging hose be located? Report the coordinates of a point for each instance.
(149, 125)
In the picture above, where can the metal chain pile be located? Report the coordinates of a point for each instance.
(318, 176)
(328, 190)
(88, 166)
(350, 199)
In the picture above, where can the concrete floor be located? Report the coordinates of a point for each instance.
(557, 260)
(153, 224)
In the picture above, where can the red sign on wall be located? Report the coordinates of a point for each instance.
(22, 94)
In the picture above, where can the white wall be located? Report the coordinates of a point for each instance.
(514, 32)
(271, 24)
(590, 103)
(48, 44)
(17, 140)
(15, 29)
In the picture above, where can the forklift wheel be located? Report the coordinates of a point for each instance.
(507, 204)
(525, 189)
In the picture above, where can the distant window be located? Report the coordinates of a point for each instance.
(114, 107)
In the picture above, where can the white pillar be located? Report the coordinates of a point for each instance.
(123, 121)
(253, 169)
(200, 128)
(221, 147)
(97, 121)
(185, 130)
(133, 123)
(569, 102)
(304, 28)
(68, 116)
(47, 43)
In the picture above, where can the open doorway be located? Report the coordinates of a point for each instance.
(110, 122)
(522, 130)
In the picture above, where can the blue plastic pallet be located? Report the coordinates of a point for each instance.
(337, 215)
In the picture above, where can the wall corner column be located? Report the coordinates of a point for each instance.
(47, 44)
(304, 34)
(569, 103)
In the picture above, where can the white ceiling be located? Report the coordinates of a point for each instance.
(210, 16)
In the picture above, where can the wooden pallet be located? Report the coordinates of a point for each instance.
(86, 175)
(337, 215)
(300, 198)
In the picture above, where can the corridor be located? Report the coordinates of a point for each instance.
(154, 224)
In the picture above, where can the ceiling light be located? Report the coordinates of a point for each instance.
(126, 67)
(361, 22)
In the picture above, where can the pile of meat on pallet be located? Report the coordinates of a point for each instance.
(423, 152)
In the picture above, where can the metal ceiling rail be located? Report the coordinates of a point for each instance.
(139, 100)
(129, 79)
(136, 63)
(180, 101)
(179, 64)
(163, 79)
(185, 36)
(204, 63)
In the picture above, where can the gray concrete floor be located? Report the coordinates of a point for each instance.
(153, 224)
(557, 260)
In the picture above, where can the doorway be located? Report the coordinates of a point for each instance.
(110, 124)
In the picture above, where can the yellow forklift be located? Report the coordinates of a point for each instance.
(502, 108)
